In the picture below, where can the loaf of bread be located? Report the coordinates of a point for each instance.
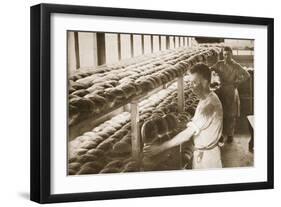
(81, 151)
(86, 158)
(162, 126)
(122, 148)
(88, 144)
(75, 166)
(129, 90)
(91, 168)
(110, 170)
(96, 152)
(104, 134)
(171, 121)
(106, 145)
(109, 130)
(82, 104)
(149, 132)
(87, 170)
(114, 164)
(132, 166)
(76, 85)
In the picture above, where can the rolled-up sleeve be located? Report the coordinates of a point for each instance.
(203, 119)
(242, 75)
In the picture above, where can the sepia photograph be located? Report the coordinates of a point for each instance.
(130, 103)
(150, 102)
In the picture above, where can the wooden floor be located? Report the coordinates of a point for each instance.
(237, 154)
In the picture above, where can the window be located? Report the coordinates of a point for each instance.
(111, 48)
(125, 46)
(71, 53)
(156, 46)
(147, 44)
(163, 42)
(86, 49)
(172, 43)
(181, 41)
(137, 45)
(176, 42)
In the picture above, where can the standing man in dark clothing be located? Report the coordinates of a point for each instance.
(231, 75)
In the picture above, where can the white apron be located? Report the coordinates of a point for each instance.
(207, 122)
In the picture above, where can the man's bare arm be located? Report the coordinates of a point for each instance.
(243, 75)
(183, 136)
(151, 150)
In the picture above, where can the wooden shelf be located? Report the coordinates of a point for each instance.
(81, 124)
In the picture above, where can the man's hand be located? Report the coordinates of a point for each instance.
(151, 150)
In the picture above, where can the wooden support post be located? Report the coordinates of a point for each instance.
(159, 39)
(77, 54)
(119, 46)
(151, 43)
(127, 107)
(167, 42)
(180, 94)
(181, 109)
(135, 127)
(95, 52)
(142, 44)
(101, 48)
(132, 44)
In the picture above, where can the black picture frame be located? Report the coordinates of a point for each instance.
(41, 96)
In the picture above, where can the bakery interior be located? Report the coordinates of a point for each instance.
(117, 82)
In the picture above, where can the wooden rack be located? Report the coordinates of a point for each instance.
(86, 122)
(82, 125)
(135, 124)
(87, 116)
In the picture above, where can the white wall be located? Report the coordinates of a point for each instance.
(71, 63)
(14, 104)
(239, 43)
(137, 45)
(111, 48)
(86, 44)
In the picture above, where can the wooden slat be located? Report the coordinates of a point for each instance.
(167, 42)
(132, 44)
(159, 39)
(181, 109)
(95, 52)
(101, 48)
(77, 54)
(142, 44)
(151, 43)
(119, 45)
(181, 94)
(135, 130)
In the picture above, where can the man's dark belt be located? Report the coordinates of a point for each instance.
(202, 149)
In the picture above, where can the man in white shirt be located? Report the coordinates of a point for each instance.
(205, 127)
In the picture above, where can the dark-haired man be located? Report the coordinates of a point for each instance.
(205, 127)
(231, 75)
